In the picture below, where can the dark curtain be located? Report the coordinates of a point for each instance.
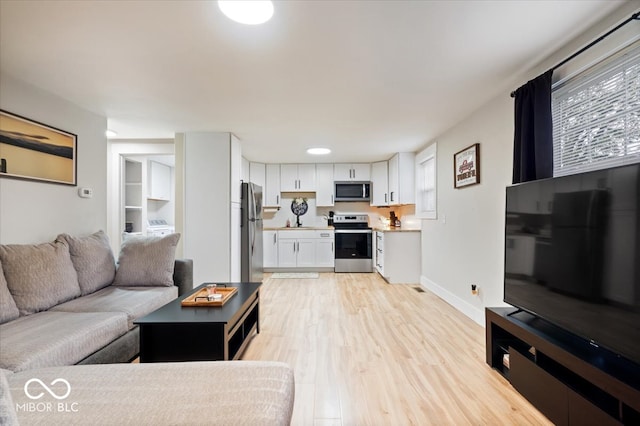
(533, 138)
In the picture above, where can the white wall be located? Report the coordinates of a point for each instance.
(464, 245)
(33, 212)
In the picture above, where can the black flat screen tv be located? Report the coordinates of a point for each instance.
(572, 255)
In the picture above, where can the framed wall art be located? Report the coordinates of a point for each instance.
(36, 151)
(466, 166)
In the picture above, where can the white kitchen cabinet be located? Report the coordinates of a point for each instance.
(245, 170)
(271, 190)
(352, 172)
(257, 174)
(398, 256)
(379, 183)
(402, 179)
(297, 177)
(325, 249)
(159, 181)
(296, 249)
(305, 248)
(270, 249)
(324, 185)
(379, 252)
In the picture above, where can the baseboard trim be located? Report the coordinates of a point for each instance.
(458, 303)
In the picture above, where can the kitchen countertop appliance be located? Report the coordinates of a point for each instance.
(353, 239)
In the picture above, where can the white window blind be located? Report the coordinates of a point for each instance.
(596, 116)
(426, 183)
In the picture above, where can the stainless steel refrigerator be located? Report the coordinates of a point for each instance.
(251, 233)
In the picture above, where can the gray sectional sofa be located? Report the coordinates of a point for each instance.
(65, 303)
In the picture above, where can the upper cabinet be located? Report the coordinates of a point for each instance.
(257, 174)
(380, 183)
(271, 191)
(402, 179)
(352, 172)
(324, 185)
(298, 177)
(159, 181)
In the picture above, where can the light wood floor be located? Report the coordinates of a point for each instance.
(369, 353)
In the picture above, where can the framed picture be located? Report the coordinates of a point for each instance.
(466, 166)
(36, 151)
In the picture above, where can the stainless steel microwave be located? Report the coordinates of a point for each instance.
(352, 191)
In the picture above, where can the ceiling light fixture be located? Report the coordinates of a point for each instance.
(250, 12)
(318, 151)
(110, 133)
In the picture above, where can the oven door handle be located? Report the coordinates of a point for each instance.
(353, 231)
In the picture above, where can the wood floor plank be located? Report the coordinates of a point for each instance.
(369, 353)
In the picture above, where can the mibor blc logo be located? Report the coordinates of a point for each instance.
(36, 390)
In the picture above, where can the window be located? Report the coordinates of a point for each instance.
(426, 183)
(596, 116)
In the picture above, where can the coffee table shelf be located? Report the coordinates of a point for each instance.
(195, 333)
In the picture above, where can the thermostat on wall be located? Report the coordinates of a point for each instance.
(85, 192)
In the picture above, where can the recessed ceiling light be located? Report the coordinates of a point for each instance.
(110, 133)
(318, 151)
(250, 12)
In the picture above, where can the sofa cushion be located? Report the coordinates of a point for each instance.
(93, 259)
(48, 339)
(180, 393)
(8, 415)
(136, 302)
(147, 261)
(39, 276)
(8, 308)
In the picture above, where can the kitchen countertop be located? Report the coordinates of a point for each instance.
(302, 228)
(395, 229)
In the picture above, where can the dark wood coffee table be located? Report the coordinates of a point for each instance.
(179, 333)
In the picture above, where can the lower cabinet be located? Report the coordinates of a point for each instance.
(270, 249)
(397, 256)
(299, 249)
(296, 252)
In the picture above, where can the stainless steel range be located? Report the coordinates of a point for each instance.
(353, 242)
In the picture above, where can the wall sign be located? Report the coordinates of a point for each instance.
(466, 166)
(36, 151)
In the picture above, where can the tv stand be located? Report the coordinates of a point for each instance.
(558, 373)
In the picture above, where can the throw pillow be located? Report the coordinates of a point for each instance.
(147, 261)
(93, 259)
(8, 309)
(39, 276)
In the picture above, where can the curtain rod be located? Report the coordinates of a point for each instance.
(634, 17)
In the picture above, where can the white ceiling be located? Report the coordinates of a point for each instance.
(364, 78)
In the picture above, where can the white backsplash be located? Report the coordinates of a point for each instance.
(316, 216)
